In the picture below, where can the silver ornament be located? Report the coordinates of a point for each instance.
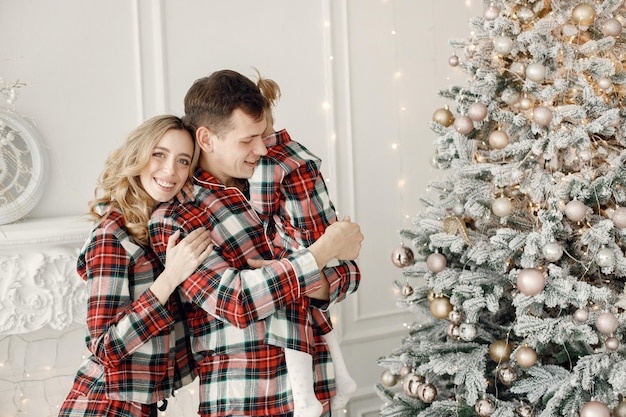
(485, 407)
(530, 281)
(542, 116)
(410, 384)
(467, 331)
(606, 322)
(525, 410)
(453, 331)
(507, 374)
(552, 252)
(427, 392)
(407, 290)
(402, 256)
(575, 210)
(605, 257)
(455, 316)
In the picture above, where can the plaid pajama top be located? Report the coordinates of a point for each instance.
(138, 346)
(289, 192)
(239, 373)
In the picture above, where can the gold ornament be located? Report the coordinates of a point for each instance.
(402, 256)
(500, 351)
(620, 408)
(440, 307)
(526, 356)
(388, 379)
(454, 225)
(443, 116)
(583, 14)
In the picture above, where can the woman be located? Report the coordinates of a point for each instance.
(136, 330)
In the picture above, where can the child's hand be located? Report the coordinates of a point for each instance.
(259, 263)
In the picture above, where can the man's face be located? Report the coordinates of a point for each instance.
(236, 153)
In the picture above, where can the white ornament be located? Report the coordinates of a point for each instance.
(605, 257)
(619, 217)
(467, 331)
(605, 83)
(491, 12)
(612, 27)
(606, 323)
(463, 125)
(503, 45)
(552, 252)
(581, 315)
(525, 103)
(575, 210)
(530, 281)
(536, 72)
(501, 207)
(542, 116)
(498, 139)
(477, 112)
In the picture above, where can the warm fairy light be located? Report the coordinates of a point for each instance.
(333, 137)
(393, 32)
(401, 183)
(397, 75)
(394, 146)
(326, 23)
(326, 106)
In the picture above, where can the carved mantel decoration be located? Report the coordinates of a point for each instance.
(39, 285)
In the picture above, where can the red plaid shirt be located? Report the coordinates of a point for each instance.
(140, 348)
(240, 373)
(289, 192)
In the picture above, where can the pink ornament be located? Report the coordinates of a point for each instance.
(531, 281)
(463, 125)
(498, 139)
(491, 12)
(595, 409)
(575, 210)
(581, 315)
(436, 262)
(606, 323)
(453, 61)
(542, 116)
(612, 343)
(612, 27)
(477, 111)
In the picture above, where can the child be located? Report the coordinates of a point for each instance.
(289, 192)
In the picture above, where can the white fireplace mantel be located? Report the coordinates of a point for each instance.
(39, 285)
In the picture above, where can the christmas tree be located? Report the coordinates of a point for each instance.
(514, 270)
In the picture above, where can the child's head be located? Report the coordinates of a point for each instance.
(271, 91)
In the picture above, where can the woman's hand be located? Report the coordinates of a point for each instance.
(181, 260)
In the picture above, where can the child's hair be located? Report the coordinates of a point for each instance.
(269, 88)
(119, 185)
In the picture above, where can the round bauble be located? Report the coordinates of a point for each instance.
(606, 322)
(612, 27)
(605, 83)
(525, 410)
(455, 316)
(525, 356)
(503, 45)
(575, 210)
(436, 262)
(498, 139)
(443, 116)
(427, 392)
(410, 384)
(583, 14)
(542, 116)
(440, 307)
(605, 257)
(612, 343)
(453, 61)
(405, 370)
(501, 206)
(467, 331)
(477, 111)
(536, 72)
(595, 409)
(507, 374)
(407, 290)
(619, 217)
(402, 256)
(491, 12)
(525, 14)
(620, 408)
(552, 252)
(525, 103)
(581, 315)
(388, 379)
(485, 407)
(463, 125)
(530, 281)
(453, 331)
(500, 351)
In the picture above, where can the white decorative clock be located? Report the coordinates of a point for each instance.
(23, 167)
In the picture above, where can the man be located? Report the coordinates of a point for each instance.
(241, 375)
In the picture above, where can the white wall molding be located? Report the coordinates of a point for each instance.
(39, 285)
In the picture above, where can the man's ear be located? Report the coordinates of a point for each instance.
(204, 138)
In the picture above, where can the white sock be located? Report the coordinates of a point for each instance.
(300, 373)
(345, 385)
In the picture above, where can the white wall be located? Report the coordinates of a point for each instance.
(359, 80)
